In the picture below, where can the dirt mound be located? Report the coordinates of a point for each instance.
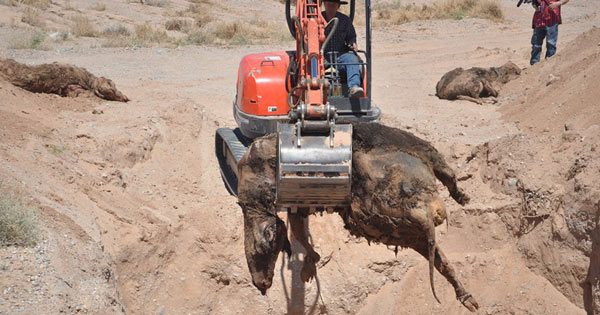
(559, 92)
(68, 270)
(550, 173)
(61, 79)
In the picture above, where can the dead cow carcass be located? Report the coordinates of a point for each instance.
(394, 202)
(475, 83)
(57, 78)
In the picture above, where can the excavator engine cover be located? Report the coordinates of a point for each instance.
(314, 171)
(261, 99)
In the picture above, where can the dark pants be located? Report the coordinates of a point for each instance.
(537, 40)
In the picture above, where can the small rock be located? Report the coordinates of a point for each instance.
(551, 79)
(569, 126)
(512, 182)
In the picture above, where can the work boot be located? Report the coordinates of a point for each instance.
(356, 91)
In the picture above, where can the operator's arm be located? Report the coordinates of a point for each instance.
(351, 37)
(557, 4)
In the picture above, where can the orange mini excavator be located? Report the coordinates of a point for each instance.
(304, 100)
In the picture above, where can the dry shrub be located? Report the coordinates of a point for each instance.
(147, 34)
(10, 3)
(488, 9)
(99, 6)
(29, 40)
(116, 31)
(18, 222)
(33, 17)
(203, 19)
(227, 30)
(157, 3)
(82, 26)
(197, 9)
(447, 9)
(177, 25)
(41, 4)
(68, 5)
(200, 37)
(256, 32)
(144, 36)
(200, 12)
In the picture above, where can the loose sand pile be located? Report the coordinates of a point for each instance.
(553, 167)
(561, 90)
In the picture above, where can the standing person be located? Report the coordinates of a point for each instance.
(545, 24)
(343, 41)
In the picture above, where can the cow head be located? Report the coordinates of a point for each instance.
(265, 236)
(509, 71)
(106, 89)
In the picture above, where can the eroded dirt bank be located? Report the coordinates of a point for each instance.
(137, 220)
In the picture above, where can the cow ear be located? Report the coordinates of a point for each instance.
(287, 248)
(269, 233)
(261, 235)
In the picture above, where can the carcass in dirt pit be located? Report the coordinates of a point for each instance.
(394, 202)
(475, 83)
(61, 79)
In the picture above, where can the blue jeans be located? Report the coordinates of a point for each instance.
(352, 71)
(537, 40)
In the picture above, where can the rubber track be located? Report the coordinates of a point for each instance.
(237, 144)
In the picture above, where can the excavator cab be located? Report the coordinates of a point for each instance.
(292, 94)
(348, 109)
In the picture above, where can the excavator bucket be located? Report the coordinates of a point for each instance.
(314, 170)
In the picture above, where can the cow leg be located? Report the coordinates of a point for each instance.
(471, 99)
(488, 87)
(445, 268)
(309, 269)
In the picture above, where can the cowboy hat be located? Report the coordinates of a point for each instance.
(336, 1)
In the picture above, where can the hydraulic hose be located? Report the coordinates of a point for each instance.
(288, 18)
(335, 25)
(287, 76)
(290, 100)
(299, 31)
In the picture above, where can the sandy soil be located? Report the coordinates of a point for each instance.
(136, 218)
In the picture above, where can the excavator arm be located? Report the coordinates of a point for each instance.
(314, 153)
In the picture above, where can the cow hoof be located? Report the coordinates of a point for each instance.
(469, 302)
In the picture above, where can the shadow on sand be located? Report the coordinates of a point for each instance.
(296, 296)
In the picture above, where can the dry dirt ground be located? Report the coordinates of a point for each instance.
(136, 219)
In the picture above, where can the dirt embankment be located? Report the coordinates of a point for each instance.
(135, 189)
(551, 171)
(68, 271)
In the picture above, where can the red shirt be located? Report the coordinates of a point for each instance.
(547, 17)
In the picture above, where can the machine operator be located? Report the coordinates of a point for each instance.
(343, 41)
